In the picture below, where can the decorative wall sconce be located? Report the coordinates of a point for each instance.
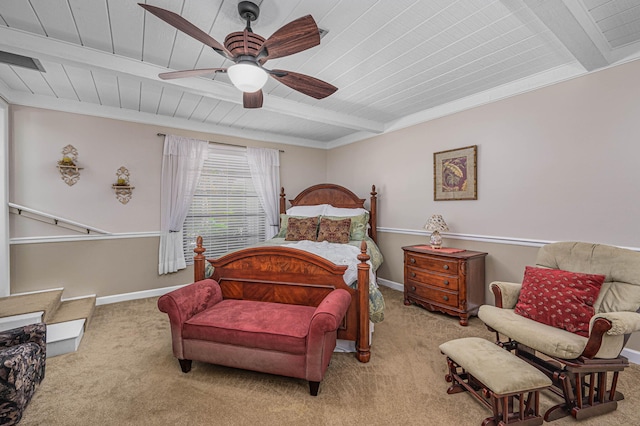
(68, 166)
(122, 188)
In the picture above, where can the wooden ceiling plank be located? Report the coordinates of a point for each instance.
(21, 15)
(129, 93)
(83, 83)
(92, 21)
(204, 108)
(150, 97)
(107, 87)
(169, 102)
(58, 80)
(11, 79)
(127, 24)
(187, 105)
(57, 20)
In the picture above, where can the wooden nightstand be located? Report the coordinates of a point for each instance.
(452, 283)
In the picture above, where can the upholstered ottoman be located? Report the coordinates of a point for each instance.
(496, 378)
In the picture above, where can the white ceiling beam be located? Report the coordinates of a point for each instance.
(28, 44)
(557, 16)
(77, 107)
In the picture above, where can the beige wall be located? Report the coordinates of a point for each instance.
(104, 267)
(38, 137)
(100, 267)
(558, 163)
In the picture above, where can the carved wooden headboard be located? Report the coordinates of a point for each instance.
(337, 196)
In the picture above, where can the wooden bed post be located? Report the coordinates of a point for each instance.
(363, 346)
(373, 219)
(283, 201)
(198, 260)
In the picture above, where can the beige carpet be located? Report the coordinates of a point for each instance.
(124, 374)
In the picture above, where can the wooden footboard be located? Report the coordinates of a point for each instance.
(287, 275)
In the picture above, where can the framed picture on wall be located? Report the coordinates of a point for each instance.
(455, 174)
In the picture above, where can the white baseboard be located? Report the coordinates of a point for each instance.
(105, 300)
(391, 284)
(632, 355)
(15, 321)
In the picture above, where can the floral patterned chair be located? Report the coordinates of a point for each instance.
(22, 364)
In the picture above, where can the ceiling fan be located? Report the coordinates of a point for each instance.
(249, 52)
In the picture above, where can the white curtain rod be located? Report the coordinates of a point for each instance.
(221, 143)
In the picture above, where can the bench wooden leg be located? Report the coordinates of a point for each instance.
(313, 388)
(185, 365)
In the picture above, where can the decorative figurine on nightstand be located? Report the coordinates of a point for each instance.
(435, 225)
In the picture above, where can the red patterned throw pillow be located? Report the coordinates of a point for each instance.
(334, 231)
(305, 228)
(558, 298)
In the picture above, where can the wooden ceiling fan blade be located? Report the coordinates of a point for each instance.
(252, 99)
(188, 28)
(308, 85)
(294, 37)
(190, 73)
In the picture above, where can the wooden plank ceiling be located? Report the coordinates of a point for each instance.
(395, 63)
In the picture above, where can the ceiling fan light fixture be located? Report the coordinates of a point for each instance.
(247, 76)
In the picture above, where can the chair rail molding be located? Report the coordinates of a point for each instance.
(483, 238)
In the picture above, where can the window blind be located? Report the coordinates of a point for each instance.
(226, 211)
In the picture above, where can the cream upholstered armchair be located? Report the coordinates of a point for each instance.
(576, 361)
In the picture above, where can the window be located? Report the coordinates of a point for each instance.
(226, 211)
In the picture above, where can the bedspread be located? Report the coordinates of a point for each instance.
(347, 254)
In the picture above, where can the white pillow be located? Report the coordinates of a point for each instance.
(343, 212)
(307, 211)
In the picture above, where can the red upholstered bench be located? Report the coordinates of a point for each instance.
(288, 340)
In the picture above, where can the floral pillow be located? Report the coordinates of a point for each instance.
(298, 229)
(334, 231)
(284, 223)
(359, 223)
(558, 298)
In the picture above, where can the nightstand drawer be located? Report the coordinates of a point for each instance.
(427, 277)
(432, 263)
(432, 294)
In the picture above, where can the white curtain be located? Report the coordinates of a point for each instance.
(182, 163)
(265, 173)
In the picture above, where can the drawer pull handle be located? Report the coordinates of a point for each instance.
(412, 260)
(413, 275)
(445, 298)
(413, 288)
(446, 266)
(446, 282)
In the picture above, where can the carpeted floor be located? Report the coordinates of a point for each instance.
(124, 374)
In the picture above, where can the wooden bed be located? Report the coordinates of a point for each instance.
(287, 275)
